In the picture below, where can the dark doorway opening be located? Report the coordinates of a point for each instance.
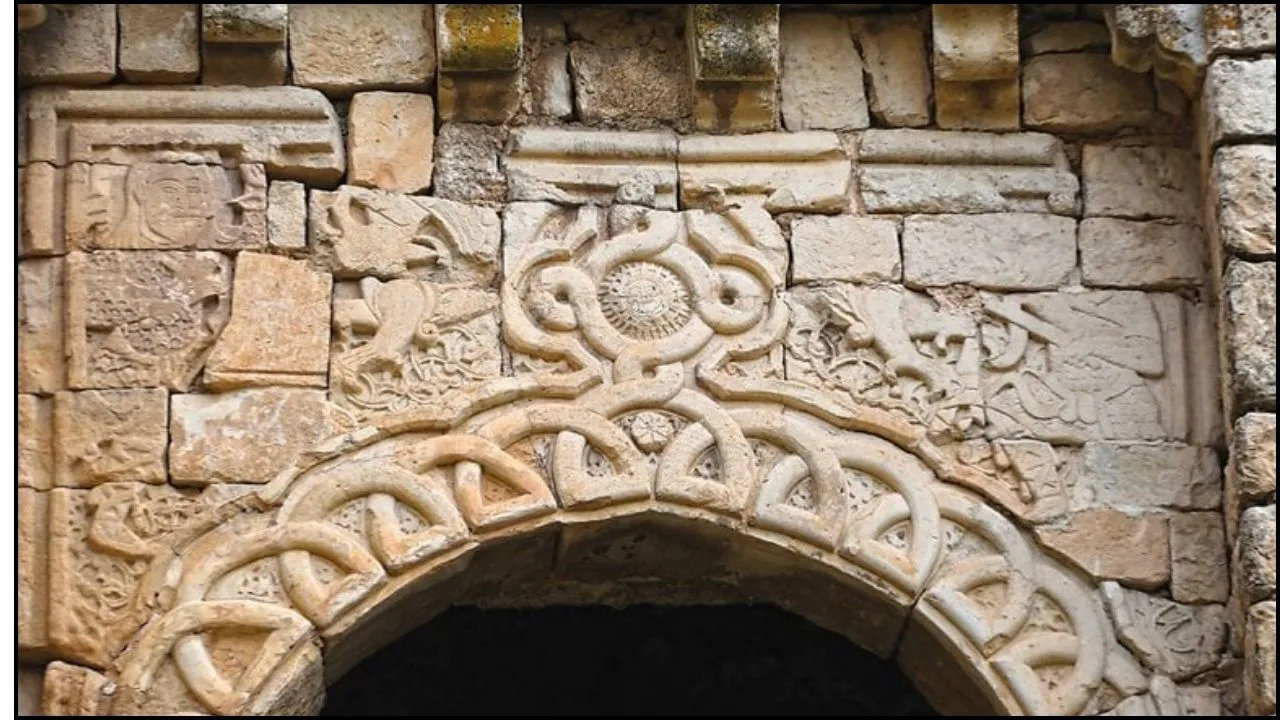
(739, 660)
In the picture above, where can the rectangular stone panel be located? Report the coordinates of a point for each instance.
(1143, 475)
(1244, 182)
(822, 86)
(41, 196)
(110, 436)
(1198, 553)
(1141, 182)
(1009, 251)
(35, 442)
(160, 43)
(845, 247)
(33, 569)
(782, 172)
(343, 49)
(592, 167)
(41, 368)
(1158, 254)
(897, 65)
(1084, 93)
(287, 215)
(978, 105)
(76, 45)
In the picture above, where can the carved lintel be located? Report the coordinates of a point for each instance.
(735, 66)
(783, 172)
(479, 49)
(588, 166)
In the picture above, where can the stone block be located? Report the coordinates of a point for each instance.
(479, 48)
(108, 436)
(245, 24)
(978, 105)
(1239, 100)
(160, 43)
(256, 65)
(278, 333)
(1159, 254)
(1173, 639)
(1240, 27)
(942, 250)
(1065, 37)
(1141, 182)
(1198, 552)
(143, 318)
(342, 49)
(821, 74)
(975, 42)
(547, 88)
(32, 601)
(1085, 93)
(287, 215)
(735, 55)
(592, 167)
(467, 168)
(1250, 334)
(782, 172)
(1251, 472)
(246, 436)
(75, 45)
(897, 67)
(1256, 554)
(41, 208)
(1141, 475)
(1260, 659)
(390, 140)
(1089, 539)
(845, 247)
(35, 442)
(41, 368)
(1244, 185)
(651, 53)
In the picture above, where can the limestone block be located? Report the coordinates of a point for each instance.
(75, 45)
(35, 442)
(240, 24)
(246, 436)
(358, 233)
(783, 172)
(110, 436)
(975, 42)
(1084, 92)
(1260, 659)
(1256, 554)
(467, 163)
(143, 318)
(978, 105)
(1251, 473)
(41, 368)
(1168, 38)
(287, 215)
(897, 67)
(927, 171)
(1141, 182)
(975, 249)
(547, 88)
(1063, 37)
(32, 602)
(1124, 253)
(1239, 100)
(735, 59)
(821, 74)
(651, 53)
(342, 49)
(166, 206)
(592, 167)
(160, 43)
(390, 141)
(74, 690)
(244, 44)
(1198, 551)
(1240, 27)
(41, 205)
(1089, 539)
(845, 247)
(278, 332)
(1244, 184)
(1133, 475)
(479, 48)
(1173, 639)
(1250, 329)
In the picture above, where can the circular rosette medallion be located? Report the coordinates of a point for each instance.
(645, 301)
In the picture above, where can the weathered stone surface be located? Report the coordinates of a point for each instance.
(1240, 27)
(1244, 183)
(1260, 659)
(547, 88)
(1089, 539)
(652, 54)
(1084, 92)
(821, 74)
(32, 601)
(975, 249)
(975, 42)
(927, 171)
(1142, 476)
(75, 45)
(40, 326)
(1141, 182)
(978, 105)
(897, 66)
(143, 318)
(278, 333)
(110, 436)
(160, 43)
(73, 690)
(1198, 551)
(735, 59)
(287, 215)
(1062, 37)
(1169, 38)
(1250, 330)
(783, 172)
(240, 24)
(1239, 100)
(592, 167)
(1174, 639)
(1256, 554)
(166, 206)
(467, 163)
(251, 65)
(342, 49)
(479, 48)
(1251, 473)
(246, 436)
(390, 141)
(358, 233)
(35, 442)
(1124, 253)
(845, 247)
(41, 205)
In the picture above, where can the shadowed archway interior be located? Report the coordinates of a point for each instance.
(644, 659)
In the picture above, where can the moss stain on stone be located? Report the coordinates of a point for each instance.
(737, 42)
(488, 37)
